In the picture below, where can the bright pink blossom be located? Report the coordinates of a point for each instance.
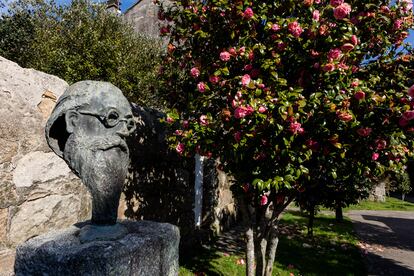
(296, 128)
(375, 156)
(347, 47)
(359, 95)
(336, 3)
(355, 83)
(315, 15)
(295, 29)
(170, 120)
(186, 124)
(243, 111)
(364, 132)
(354, 39)
(263, 200)
(225, 56)
(262, 109)
(411, 91)
(180, 148)
(380, 144)
(275, 27)
(398, 24)
(232, 51)
(245, 79)
(344, 116)
(408, 115)
(201, 86)
(334, 54)
(242, 50)
(214, 79)
(248, 13)
(195, 72)
(203, 120)
(342, 11)
(328, 67)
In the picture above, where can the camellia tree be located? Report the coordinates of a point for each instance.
(274, 89)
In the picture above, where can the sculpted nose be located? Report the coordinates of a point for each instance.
(127, 127)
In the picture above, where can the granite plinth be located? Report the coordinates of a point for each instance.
(147, 248)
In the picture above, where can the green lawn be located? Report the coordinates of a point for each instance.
(332, 251)
(391, 204)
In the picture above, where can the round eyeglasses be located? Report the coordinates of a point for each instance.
(112, 119)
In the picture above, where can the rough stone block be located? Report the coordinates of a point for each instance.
(149, 248)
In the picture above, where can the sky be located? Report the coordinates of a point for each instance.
(125, 4)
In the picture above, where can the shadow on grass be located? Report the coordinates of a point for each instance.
(332, 250)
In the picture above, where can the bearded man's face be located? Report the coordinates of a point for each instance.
(96, 150)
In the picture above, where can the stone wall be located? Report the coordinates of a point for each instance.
(143, 17)
(38, 192)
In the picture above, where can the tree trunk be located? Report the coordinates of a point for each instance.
(310, 221)
(271, 250)
(338, 214)
(249, 252)
(402, 197)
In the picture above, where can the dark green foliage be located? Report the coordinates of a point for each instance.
(82, 41)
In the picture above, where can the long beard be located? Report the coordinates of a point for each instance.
(102, 165)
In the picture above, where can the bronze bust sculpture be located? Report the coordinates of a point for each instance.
(87, 129)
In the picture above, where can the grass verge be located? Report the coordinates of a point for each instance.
(332, 251)
(390, 204)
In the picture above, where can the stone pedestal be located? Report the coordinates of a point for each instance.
(146, 248)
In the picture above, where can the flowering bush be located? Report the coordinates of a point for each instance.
(275, 88)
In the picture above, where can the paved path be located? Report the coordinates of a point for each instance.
(387, 240)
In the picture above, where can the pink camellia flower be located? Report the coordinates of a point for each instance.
(237, 136)
(364, 132)
(336, 3)
(408, 115)
(411, 91)
(407, 6)
(263, 200)
(403, 122)
(248, 13)
(375, 156)
(334, 54)
(186, 124)
(380, 144)
(398, 24)
(214, 79)
(328, 67)
(225, 56)
(347, 47)
(245, 79)
(232, 51)
(243, 111)
(201, 86)
(262, 109)
(344, 116)
(178, 132)
(354, 40)
(295, 29)
(203, 120)
(180, 148)
(275, 27)
(342, 11)
(359, 95)
(248, 67)
(355, 83)
(251, 55)
(242, 50)
(296, 128)
(315, 15)
(195, 72)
